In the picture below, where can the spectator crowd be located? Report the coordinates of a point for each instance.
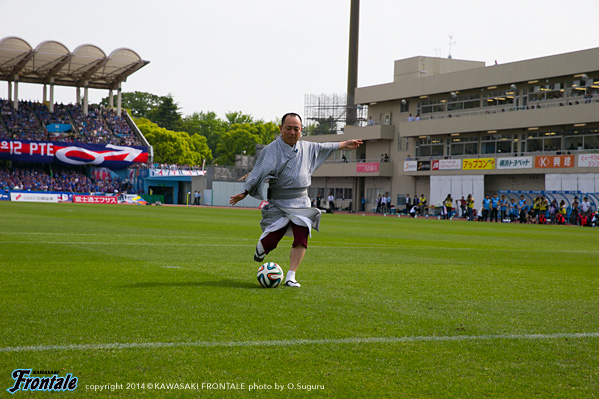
(496, 209)
(30, 121)
(37, 179)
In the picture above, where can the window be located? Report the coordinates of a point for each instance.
(543, 141)
(582, 139)
(498, 98)
(431, 107)
(466, 101)
(405, 106)
(488, 147)
(429, 147)
(504, 146)
(385, 119)
(464, 146)
(402, 143)
(496, 144)
(342, 193)
(347, 193)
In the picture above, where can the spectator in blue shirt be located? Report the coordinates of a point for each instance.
(503, 207)
(494, 207)
(486, 208)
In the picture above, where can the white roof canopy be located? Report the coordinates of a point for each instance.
(52, 61)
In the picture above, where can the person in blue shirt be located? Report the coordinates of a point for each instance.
(486, 208)
(503, 207)
(494, 207)
(524, 209)
(513, 210)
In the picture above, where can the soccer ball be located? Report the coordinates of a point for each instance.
(270, 275)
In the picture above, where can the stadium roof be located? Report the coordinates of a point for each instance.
(52, 59)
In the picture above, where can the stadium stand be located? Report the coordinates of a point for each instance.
(38, 179)
(31, 121)
(20, 124)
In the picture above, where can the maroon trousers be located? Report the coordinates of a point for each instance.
(300, 237)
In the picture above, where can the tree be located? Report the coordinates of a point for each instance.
(266, 131)
(174, 147)
(238, 118)
(206, 124)
(241, 139)
(140, 103)
(200, 145)
(323, 126)
(167, 114)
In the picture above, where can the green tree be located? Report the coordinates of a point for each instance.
(266, 131)
(174, 147)
(167, 114)
(200, 145)
(140, 103)
(206, 124)
(240, 139)
(238, 118)
(322, 126)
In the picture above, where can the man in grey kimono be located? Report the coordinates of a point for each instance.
(288, 164)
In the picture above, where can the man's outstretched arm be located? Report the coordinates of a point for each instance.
(350, 144)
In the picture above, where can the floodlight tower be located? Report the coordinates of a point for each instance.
(352, 70)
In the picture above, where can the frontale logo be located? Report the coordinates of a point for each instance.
(54, 383)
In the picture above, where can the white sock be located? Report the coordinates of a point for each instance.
(290, 276)
(260, 247)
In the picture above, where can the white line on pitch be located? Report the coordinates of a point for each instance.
(378, 246)
(297, 342)
(31, 233)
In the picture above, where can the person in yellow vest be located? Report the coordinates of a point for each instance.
(447, 204)
(560, 218)
(535, 205)
(563, 209)
(422, 203)
(543, 206)
(470, 206)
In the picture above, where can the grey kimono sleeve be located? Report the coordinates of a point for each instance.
(265, 167)
(322, 152)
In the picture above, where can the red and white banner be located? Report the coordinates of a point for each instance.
(588, 161)
(367, 167)
(111, 156)
(94, 199)
(447, 164)
(34, 197)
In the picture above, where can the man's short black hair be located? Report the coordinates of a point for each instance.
(290, 114)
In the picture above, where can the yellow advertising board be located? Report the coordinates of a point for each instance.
(478, 164)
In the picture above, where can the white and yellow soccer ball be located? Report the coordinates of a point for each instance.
(270, 275)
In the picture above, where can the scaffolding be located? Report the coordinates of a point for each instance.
(327, 113)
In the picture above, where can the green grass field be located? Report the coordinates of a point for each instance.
(389, 307)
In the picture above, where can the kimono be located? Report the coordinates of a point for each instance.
(289, 170)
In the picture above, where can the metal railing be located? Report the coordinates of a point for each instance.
(498, 109)
(369, 160)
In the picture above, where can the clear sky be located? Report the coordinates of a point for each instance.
(261, 57)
